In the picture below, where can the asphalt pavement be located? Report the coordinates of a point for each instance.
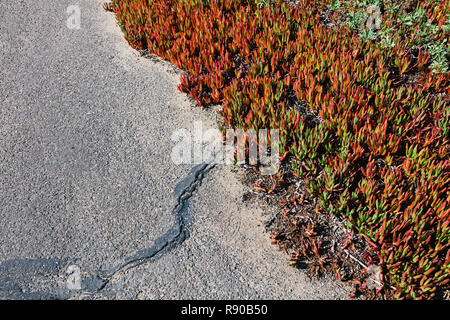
(91, 204)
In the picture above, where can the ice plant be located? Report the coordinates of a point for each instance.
(377, 151)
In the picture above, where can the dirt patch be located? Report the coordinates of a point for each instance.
(317, 243)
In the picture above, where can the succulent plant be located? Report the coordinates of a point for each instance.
(379, 153)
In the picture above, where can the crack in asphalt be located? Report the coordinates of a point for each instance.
(175, 236)
(16, 273)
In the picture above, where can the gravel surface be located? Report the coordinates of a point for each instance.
(86, 177)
